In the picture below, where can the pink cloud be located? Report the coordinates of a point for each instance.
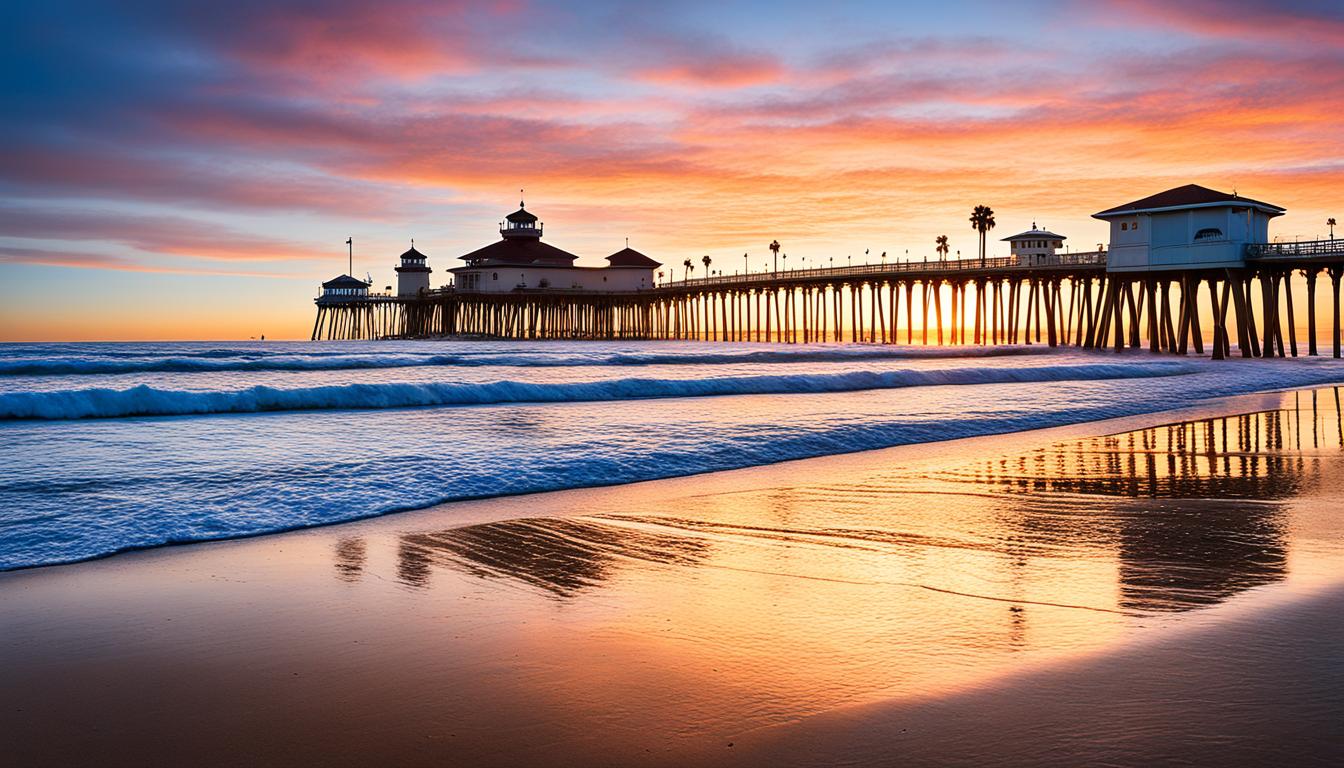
(172, 178)
(167, 235)
(90, 260)
(728, 70)
(1293, 21)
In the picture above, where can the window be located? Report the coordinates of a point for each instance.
(494, 275)
(1124, 226)
(1209, 233)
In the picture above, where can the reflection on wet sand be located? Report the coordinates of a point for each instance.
(351, 555)
(1191, 513)
(560, 555)
(1197, 507)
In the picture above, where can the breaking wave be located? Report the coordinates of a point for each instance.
(229, 360)
(145, 400)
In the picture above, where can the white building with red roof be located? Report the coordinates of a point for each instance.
(521, 261)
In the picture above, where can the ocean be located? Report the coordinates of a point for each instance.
(114, 446)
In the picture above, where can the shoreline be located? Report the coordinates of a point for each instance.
(1064, 429)
(648, 623)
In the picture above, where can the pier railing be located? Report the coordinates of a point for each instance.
(1059, 300)
(902, 268)
(1310, 249)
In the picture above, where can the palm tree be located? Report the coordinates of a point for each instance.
(941, 242)
(1330, 222)
(786, 262)
(774, 248)
(686, 271)
(982, 220)
(745, 268)
(706, 260)
(660, 276)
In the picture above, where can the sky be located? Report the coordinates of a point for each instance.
(178, 170)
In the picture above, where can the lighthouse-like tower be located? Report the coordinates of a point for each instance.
(412, 274)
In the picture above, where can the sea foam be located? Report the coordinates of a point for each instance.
(209, 361)
(145, 400)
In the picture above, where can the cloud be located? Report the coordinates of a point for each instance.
(92, 260)
(163, 235)
(711, 66)
(136, 170)
(1281, 21)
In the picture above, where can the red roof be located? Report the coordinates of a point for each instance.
(1188, 196)
(520, 252)
(629, 257)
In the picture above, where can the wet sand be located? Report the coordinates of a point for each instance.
(1169, 593)
(1259, 685)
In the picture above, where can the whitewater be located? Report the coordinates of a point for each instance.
(110, 447)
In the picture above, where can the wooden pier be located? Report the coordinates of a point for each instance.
(1071, 299)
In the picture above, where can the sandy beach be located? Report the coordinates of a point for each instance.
(1050, 597)
(1217, 693)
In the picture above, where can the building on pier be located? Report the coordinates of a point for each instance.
(1035, 246)
(412, 273)
(521, 261)
(1186, 227)
(343, 289)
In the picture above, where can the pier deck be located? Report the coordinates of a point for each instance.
(1068, 299)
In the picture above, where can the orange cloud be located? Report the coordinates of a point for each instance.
(90, 260)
